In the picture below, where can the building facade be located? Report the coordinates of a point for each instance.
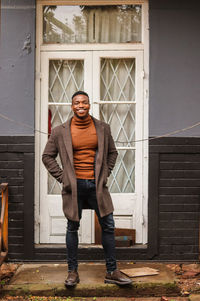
(139, 62)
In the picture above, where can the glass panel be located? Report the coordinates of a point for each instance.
(65, 78)
(92, 24)
(121, 118)
(122, 178)
(54, 187)
(117, 83)
(117, 79)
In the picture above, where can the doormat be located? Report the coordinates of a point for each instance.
(140, 272)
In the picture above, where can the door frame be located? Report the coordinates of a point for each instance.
(144, 46)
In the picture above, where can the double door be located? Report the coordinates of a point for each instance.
(114, 82)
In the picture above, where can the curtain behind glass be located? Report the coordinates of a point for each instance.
(87, 24)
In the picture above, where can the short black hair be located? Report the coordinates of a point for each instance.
(80, 93)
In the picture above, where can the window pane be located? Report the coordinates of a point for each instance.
(121, 118)
(65, 78)
(122, 178)
(117, 79)
(92, 24)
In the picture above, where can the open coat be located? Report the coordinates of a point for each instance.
(60, 142)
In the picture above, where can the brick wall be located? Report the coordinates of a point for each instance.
(17, 169)
(178, 188)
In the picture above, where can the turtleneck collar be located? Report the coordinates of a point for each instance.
(82, 123)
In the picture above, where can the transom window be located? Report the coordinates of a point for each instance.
(92, 24)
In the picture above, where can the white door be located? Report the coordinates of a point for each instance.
(114, 81)
(118, 100)
(62, 73)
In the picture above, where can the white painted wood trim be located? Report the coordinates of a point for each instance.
(37, 126)
(89, 2)
(146, 120)
(90, 46)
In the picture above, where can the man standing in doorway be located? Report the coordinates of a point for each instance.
(88, 154)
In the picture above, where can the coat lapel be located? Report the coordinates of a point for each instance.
(100, 136)
(68, 140)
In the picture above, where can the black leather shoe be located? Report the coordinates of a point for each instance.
(117, 277)
(72, 279)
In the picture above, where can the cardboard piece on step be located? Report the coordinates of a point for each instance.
(140, 272)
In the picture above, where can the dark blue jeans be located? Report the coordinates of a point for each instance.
(87, 195)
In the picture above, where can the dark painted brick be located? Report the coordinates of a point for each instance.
(180, 174)
(176, 141)
(179, 257)
(16, 215)
(177, 240)
(20, 148)
(180, 157)
(11, 165)
(3, 148)
(180, 199)
(180, 165)
(15, 207)
(15, 223)
(179, 191)
(54, 249)
(11, 157)
(15, 190)
(15, 231)
(15, 181)
(185, 248)
(11, 173)
(181, 224)
(166, 249)
(15, 240)
(15, 198)
(180, 149)
(50, 257)
(16, 139)
(179, 208)
(15, 256)
(178, 233)
(179, 183)
(16, 248)
(178, 249)
(173, 216)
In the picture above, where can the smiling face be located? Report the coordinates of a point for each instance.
(80, 106)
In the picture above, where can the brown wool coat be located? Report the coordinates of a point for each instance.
(60, 142)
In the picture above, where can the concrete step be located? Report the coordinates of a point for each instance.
(48, 280)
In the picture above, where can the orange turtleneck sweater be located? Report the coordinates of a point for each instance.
(84, 142)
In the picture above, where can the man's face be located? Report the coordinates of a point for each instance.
(80, 106)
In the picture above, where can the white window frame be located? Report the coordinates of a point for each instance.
(40, 47)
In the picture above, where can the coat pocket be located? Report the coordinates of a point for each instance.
(105, 174)
(66, 184)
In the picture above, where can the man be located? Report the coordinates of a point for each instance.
(88, 155)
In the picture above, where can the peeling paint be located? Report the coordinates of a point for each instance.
(27, 44)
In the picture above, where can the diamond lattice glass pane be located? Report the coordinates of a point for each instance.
(54, 187)
(59, 114)
(65, 78)
(122, 178)
(121, 118)
(92, 24)
(117, 79)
